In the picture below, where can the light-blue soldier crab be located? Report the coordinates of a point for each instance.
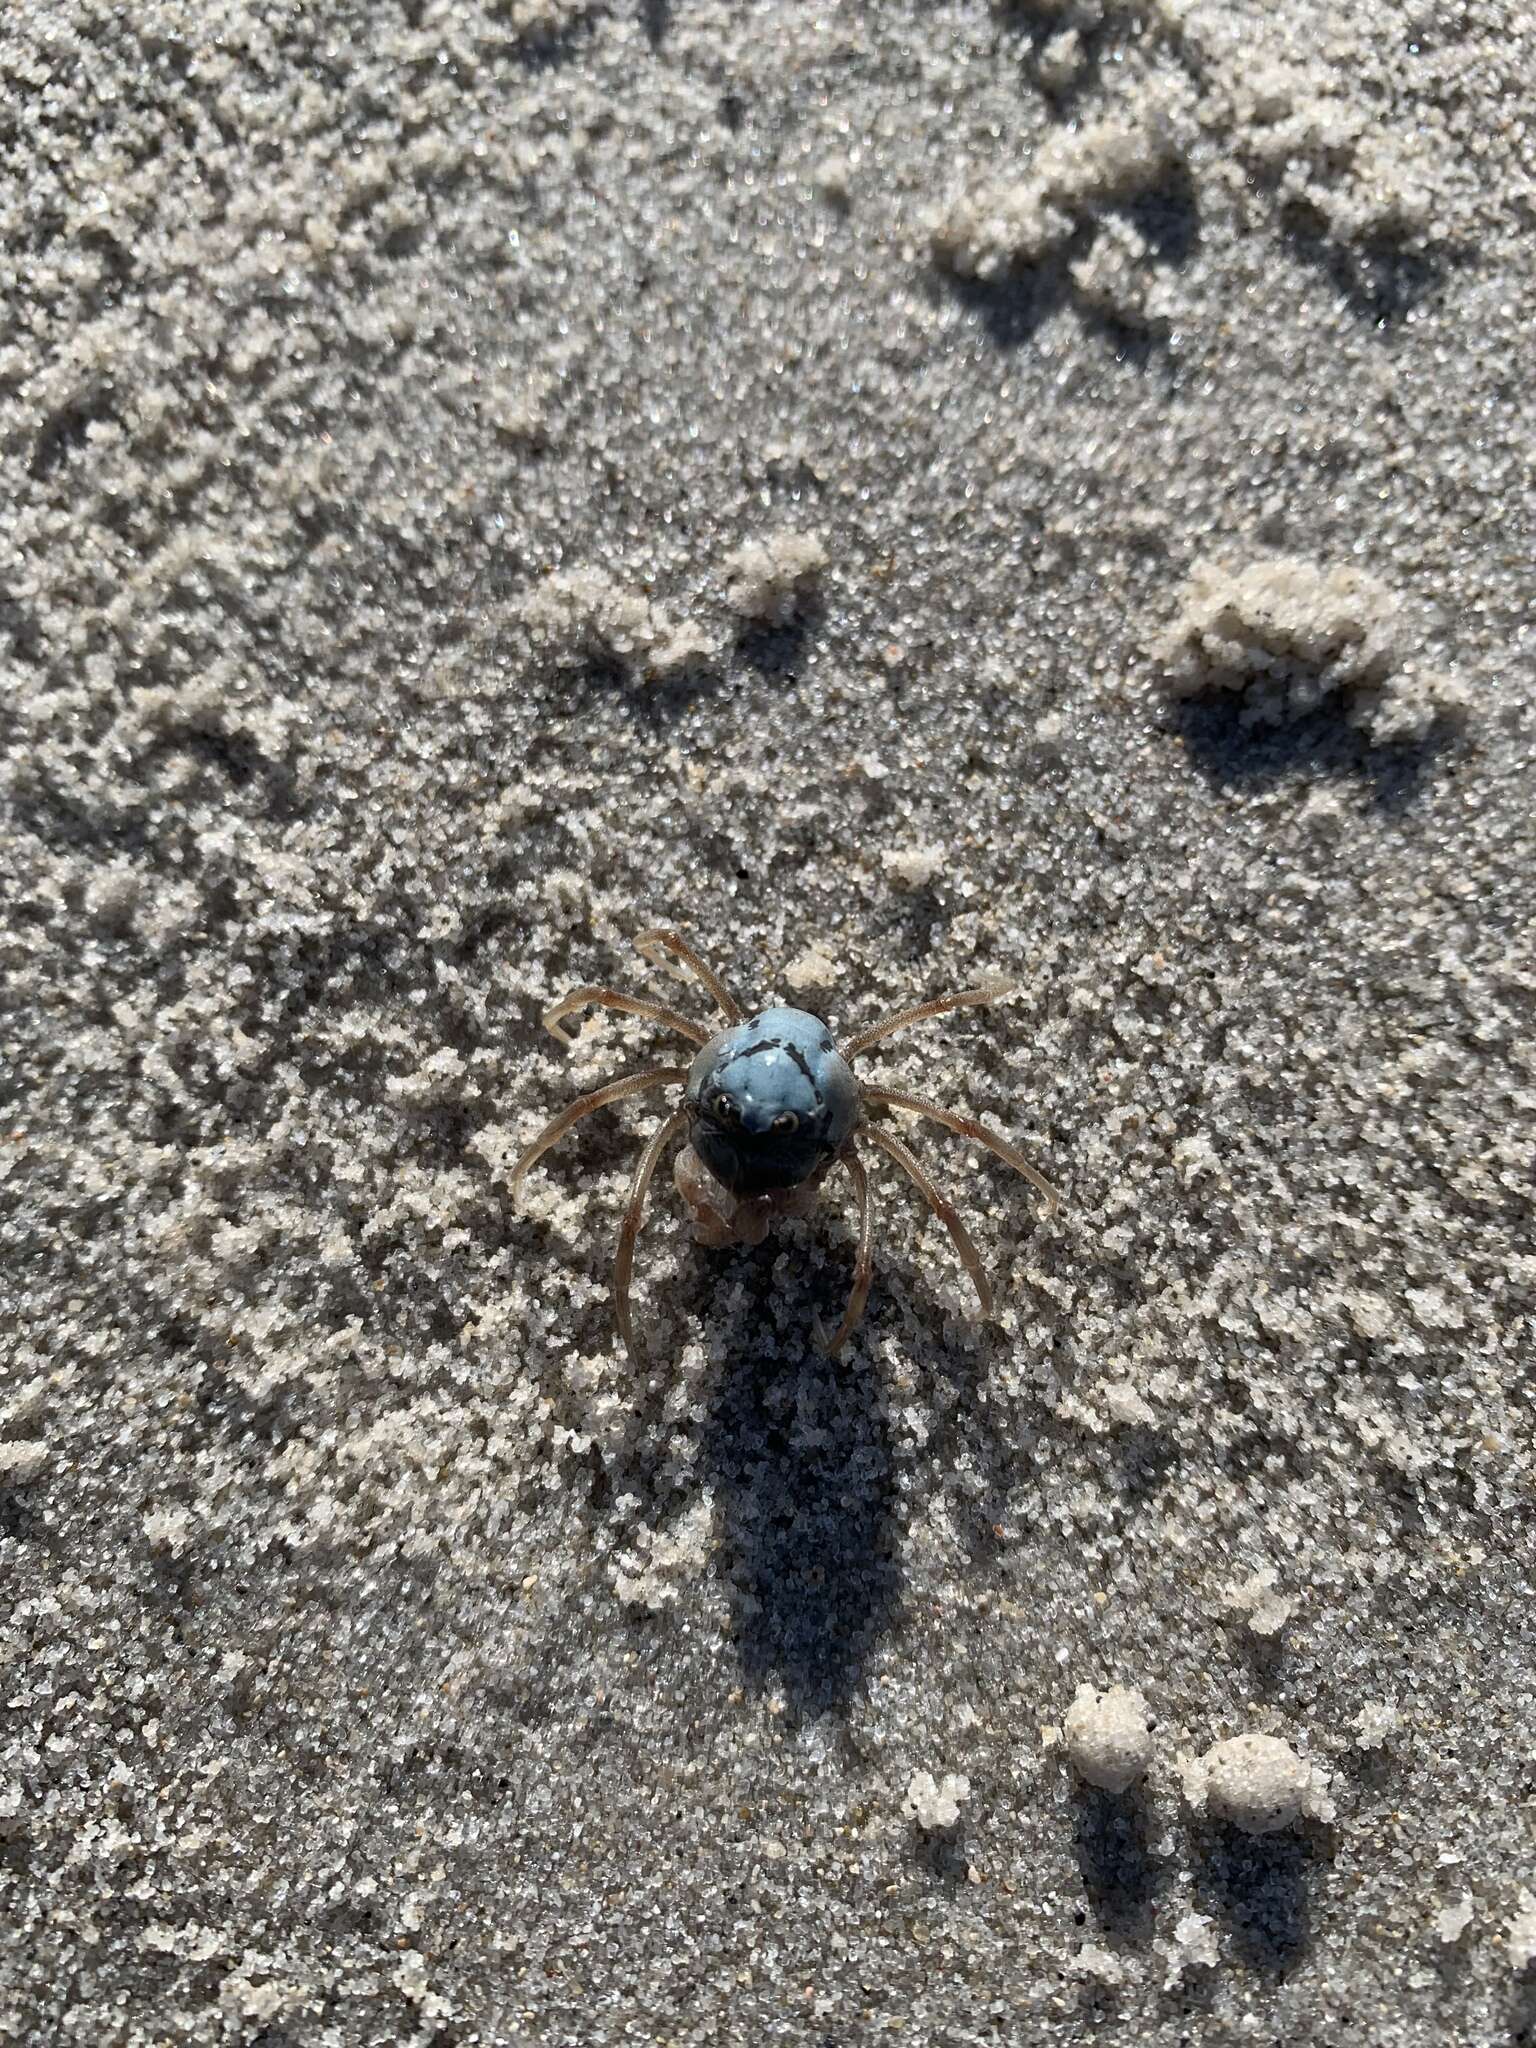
(771, 1105)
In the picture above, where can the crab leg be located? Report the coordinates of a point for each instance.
(584, 1105)
(624, 1257)
(984, 992)
(652, 945)
(616, 999)
(864, 1261)
(967, 1127)
(946, 1212)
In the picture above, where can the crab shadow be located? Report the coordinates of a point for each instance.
(797, 1448)
(812, 1503)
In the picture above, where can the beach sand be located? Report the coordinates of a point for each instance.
(904, 493)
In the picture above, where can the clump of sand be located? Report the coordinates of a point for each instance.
(769, 579)
(935, 1803)
(1258, 1783)
(1288, 635)
(587, 614)
(1000, 223)
(1108, 1738)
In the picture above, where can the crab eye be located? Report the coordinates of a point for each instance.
(785, 1122)
(721, 1106)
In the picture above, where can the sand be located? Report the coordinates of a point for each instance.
(906, 493)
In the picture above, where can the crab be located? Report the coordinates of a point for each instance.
(771, 1105)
